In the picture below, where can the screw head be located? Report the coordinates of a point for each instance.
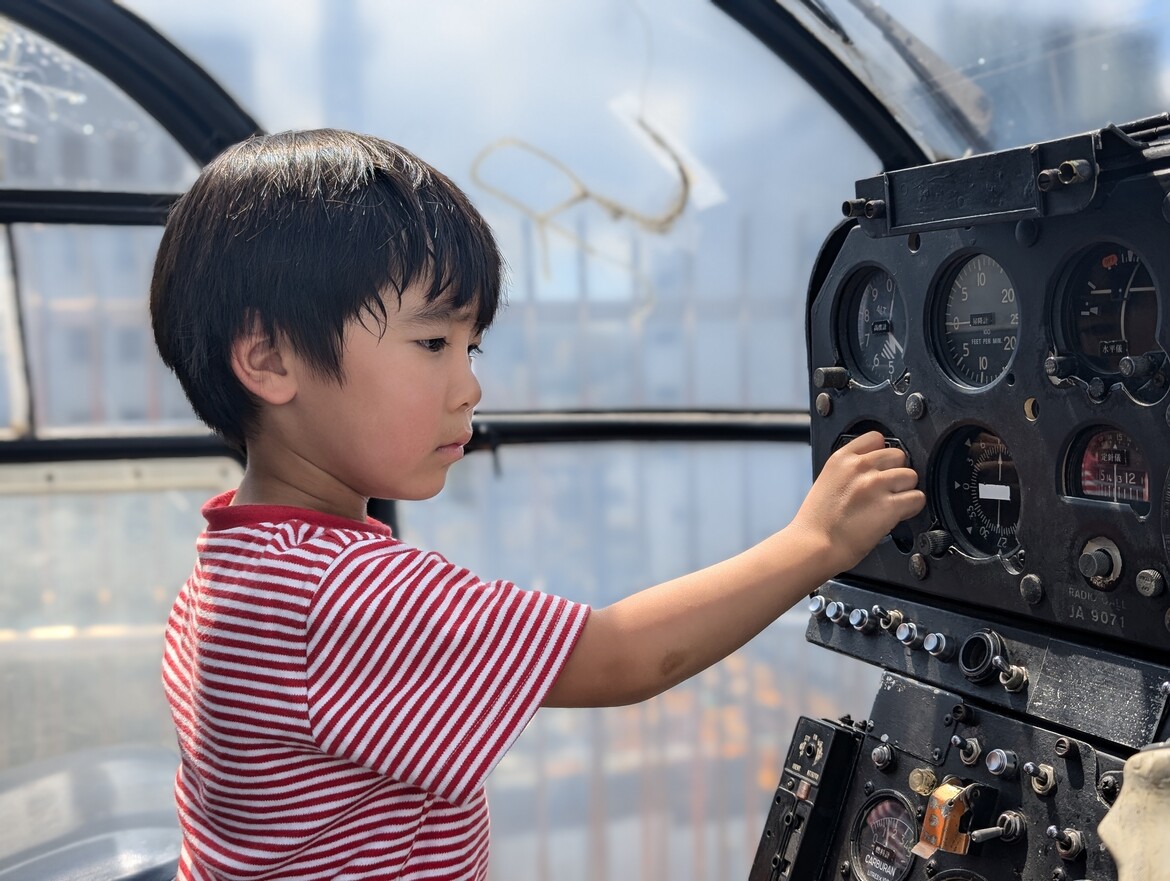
(824, 404)
(919, 568)
(1028, 231)
(915, 405)
(1031, 589)
(868, 788)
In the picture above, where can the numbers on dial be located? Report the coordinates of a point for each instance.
(876, 327)
(977, 324)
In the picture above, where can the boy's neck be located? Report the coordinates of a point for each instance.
(264, 484)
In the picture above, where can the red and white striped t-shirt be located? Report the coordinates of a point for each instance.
(340, 698)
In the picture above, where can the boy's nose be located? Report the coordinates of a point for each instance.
(468, 390)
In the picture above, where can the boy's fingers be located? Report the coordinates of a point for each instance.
(902, 479)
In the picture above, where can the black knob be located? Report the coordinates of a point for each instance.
(1095, 564)
(934, 542)
(831, 377)
(1136, 366)
(1060, 366)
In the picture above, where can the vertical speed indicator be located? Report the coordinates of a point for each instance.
(977, 322)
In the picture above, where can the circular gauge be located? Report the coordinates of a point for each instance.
(977, 321)
(980, 489)
(1110, 307)
(876, 326)
(1108, 466)
(884, 832)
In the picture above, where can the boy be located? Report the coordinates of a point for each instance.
(340, 697)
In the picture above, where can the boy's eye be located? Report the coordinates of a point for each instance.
(474, 350)
(434, 345)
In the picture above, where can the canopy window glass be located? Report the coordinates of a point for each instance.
(974, 77)
(659, 180)
(65, 126)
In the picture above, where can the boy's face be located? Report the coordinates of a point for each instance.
(403, 413)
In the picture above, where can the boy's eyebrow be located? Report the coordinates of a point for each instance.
(438, 311)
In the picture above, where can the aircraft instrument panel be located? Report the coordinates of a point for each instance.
(1004, 319)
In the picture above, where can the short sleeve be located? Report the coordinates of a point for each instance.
(425, 674)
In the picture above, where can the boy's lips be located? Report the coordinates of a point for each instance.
(462, 441)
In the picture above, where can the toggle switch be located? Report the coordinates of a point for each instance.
(1008, 827)
(1070, 844)
(968, 747)
(887, 620)
(1012, 677)
(1043, 777)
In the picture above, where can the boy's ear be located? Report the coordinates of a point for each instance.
(261, 367)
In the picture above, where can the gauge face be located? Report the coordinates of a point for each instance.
(876, 318)
(1110, 307)
(977, 322)
(884, 832)
(1111, 468)
(980, 488)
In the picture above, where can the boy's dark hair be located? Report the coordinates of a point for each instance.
(304, 232)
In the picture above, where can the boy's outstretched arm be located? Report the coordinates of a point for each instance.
(648, 642)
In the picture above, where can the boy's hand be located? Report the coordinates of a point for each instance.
(863, 491)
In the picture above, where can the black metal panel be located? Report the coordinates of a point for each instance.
(777, 29)
(185, 100)
(76, 206)
(497, 429)
(492, 430)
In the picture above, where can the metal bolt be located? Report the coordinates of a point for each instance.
(868, 788)
(824, 404)
(918, 567)
(844, 869)
(1027, 232)
(915, 405)
(936, 753)
(1031, 589)
(930, 868)
(875, 208)
(1097, 389)
(1059, 874)
(1066, 748)
(1109, 788)
(1164, 689)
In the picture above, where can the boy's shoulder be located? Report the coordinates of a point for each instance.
(281, 528)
